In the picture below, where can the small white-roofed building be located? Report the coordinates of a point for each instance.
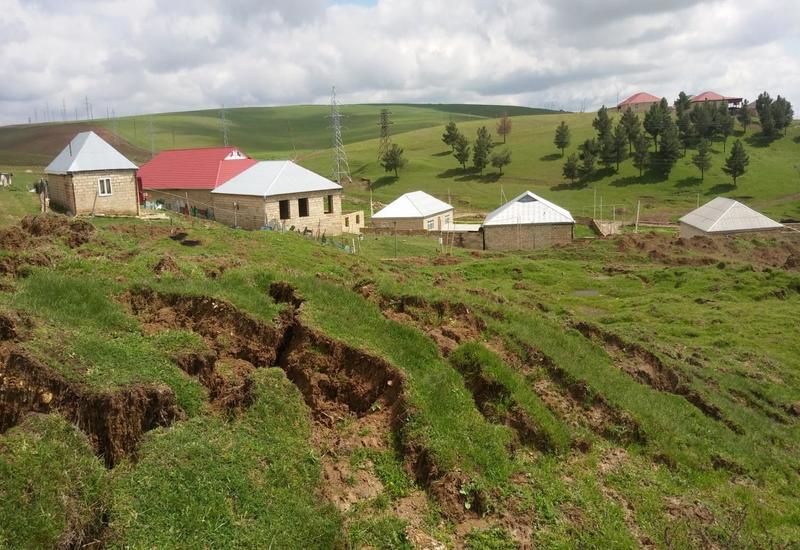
(89, 176)
(527, 222)
(416, 210)
(281, 193)
(724, 216)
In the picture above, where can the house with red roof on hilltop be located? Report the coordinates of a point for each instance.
(182, 179)
(639, 102)
(716, 99)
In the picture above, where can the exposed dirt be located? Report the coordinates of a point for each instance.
(114, 421)
(780, 250)
(166, 264)
(647, 368)
(752, 402)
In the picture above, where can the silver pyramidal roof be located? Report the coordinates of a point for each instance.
(724, 215)
(275, 177)
(528, 208)
(88, 152)
(416, 204)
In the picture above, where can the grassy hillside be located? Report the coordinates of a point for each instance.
(222, 387)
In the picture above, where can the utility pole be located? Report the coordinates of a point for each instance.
(224, 123)
(638, 206)
(341, 168)
(86, 101)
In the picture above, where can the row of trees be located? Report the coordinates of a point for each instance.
(481, 149)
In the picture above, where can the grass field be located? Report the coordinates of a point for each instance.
(611, 393)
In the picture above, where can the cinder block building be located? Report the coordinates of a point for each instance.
(724, 216)
(89, 176)
(527, 222)
(280, 194)
(415, 211)
(639, 102)
(182, 179)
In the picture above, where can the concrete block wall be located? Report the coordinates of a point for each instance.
(79, 193)
(59, 187)
(440, 221)
(526, 236)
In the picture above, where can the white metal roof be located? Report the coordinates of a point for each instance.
(275, 177)
(88, 152)
(416, 204)
(463, 227)
(724, 215)
(528, 208)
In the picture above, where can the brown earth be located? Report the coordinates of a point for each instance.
(166, 264)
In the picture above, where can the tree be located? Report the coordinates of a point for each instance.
(561, 139)
(504, 126)
(724, 123)
(607, 156)
(782, 114)
(571, 170)
(392, 159)
(745, 116)
(670, 149)
(736, 163)
(500, 159)
(483, 146)
(461, 150)
(682, 103)
(602, 123)
(765, 118)
(702, 116)
(641, 155)
(702, 160)
(654, 121)
(450, 134)
(686, 131)
(619, 139)
(630, 121)
(589, 150)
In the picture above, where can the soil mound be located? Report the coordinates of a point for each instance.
(166, 264)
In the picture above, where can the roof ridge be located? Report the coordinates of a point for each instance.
(408, 198)
(276, 178)
(733, 203)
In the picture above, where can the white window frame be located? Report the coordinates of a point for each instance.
(100, 188)
(430, 225)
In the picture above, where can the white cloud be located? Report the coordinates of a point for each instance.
(189, 54)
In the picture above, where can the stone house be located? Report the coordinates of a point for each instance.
(415, 211)
(182, 179)
(89, 176)
(639, 103)
(280, 194)
(527, 222)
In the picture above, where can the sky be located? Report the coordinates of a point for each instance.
(171, 55)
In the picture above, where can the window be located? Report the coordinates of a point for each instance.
(104, 185)
(347, 221)
(358, 219)
(302, 206)
(283, 207)
(329, 204)
(430, 225)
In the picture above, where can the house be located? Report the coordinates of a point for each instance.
(415, 211)
(280, 193)
(182, 179)
(527, 222)
(716, 99)
(724, 216)
(639, 102)
(91, 177)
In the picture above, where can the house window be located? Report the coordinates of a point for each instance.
(104, 187)
(283, 207)
(358, 219)
(430, 225)
(302, 206)
(329, 204)
(346, 221)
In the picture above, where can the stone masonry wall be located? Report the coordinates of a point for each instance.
(526, 237)
(123, 200)
(254, 212)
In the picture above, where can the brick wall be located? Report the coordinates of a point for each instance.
(254, 212)
(439, 221)
(526, 236)
(78, 193)
(59, 187)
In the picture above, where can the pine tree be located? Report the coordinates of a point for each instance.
(504, 126)
(736, 163)
(686, 131)
(602, 123)
(744, 116)
(630, 122)
(641, 154)
(450, 134)
(589, 151)
(619, 139)
(702, 160)
(702, 116)
(500, 159)
(724, 124)
(461, 150)
(392, 159)
(654, 122)
(570, 170)
(682, 104)
(607, 156)
(765, 115)
(670, 150)
(561, 139)
(782, 114)
(483, 146)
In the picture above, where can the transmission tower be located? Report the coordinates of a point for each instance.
(224, 122)
(341, 169)
(383, 146)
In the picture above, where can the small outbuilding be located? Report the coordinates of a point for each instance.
(91, 177)
(527, 222)
(724, 216)
(639, 102)
(415, 211)
(280, 194)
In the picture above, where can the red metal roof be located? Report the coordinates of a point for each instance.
(713, 96)
(203, 168)
(641, 97)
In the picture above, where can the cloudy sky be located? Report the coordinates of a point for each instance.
(162, 55)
